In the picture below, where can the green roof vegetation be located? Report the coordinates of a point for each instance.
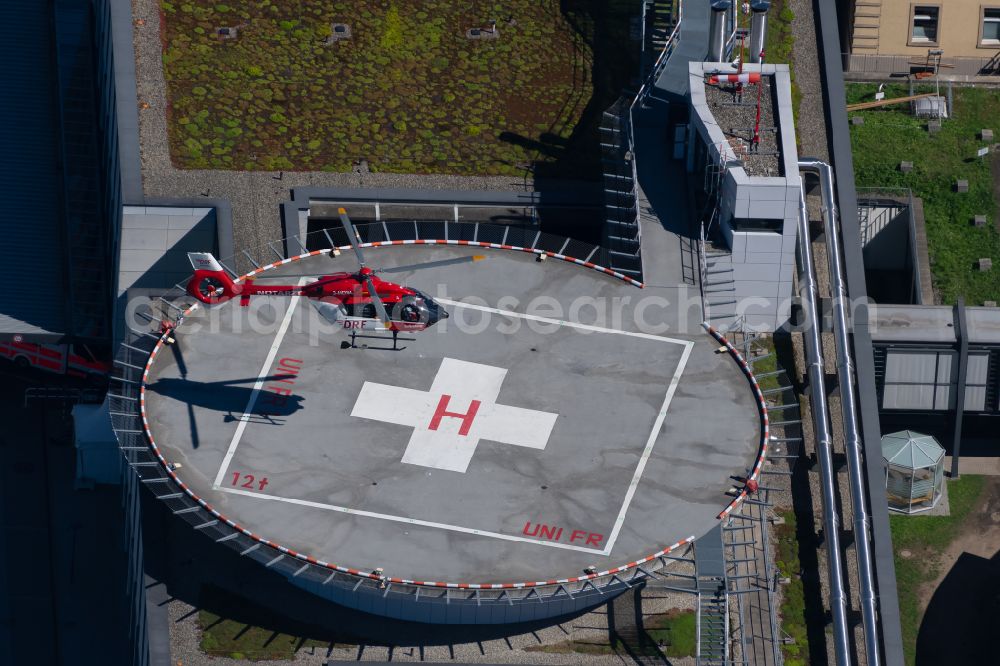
(228, 638)
(408, 91)
(779, 43)
(677, 631)
(793, 597)
(672, 633)
(892, 134)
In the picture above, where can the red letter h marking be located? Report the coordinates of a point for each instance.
(467, 418)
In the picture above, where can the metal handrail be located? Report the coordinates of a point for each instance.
(697, 623)
(903, 197)
(899, 198)
(628, 120)
(661, 60)
(872, 227)
(703, 270)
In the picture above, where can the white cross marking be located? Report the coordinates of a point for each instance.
(459, 410)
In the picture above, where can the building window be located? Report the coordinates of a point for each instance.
(756, 224)
(989, 35)
(919, 380)
(976, 375)
(925, 380)
(924, 21)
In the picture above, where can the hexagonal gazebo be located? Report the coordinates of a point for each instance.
(914, 471)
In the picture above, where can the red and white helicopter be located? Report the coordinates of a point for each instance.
(358, 301)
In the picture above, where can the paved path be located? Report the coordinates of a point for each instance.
(811, 121)
(988, 466)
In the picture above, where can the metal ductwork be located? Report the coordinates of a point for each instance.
(717, 31)
(848, 401)
(813, 343)
(758, 29)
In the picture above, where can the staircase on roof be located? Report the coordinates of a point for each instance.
(621, 222)
(661, 17)
(713, 601)
(719, 288)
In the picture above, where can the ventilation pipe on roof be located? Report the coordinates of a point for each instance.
(717, 31)
(812, 341)
(848, 400)
(758, 29)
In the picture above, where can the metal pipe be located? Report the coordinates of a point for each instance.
(848, 403)
(811, 340)
(758, 29)
(717, 31)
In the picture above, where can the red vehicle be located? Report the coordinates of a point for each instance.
(73, 360)
(342, 298)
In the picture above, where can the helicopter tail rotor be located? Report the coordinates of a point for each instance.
(210, 283)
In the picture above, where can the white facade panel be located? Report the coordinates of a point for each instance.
(770, 210)
(762, 242)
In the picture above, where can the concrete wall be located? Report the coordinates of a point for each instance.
(961, 69)
(763, 262)
(959, 28)
(888, 247)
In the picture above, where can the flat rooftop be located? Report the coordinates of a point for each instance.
(734, 108)
(530, 435)
(933, 324)
(725, 113)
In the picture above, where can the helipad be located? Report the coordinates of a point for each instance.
(540, 430)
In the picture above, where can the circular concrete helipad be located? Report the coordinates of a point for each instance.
(522, 445)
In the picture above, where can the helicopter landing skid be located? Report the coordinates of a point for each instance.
(395, 339)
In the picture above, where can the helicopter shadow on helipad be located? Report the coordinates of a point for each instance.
(232, 396)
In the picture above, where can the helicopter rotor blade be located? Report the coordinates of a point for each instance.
(376, 301)
(390, 269)
(432, 264)
(352, 237)
(331, 312)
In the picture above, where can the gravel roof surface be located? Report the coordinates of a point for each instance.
(736, 114)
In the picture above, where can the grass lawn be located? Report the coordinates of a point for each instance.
(778, 45)
(674, 630)
(236, 640)
(408, 91)
(925, 537)
(793, 601)
(891, 135)
(678, 632)
(761, 347)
